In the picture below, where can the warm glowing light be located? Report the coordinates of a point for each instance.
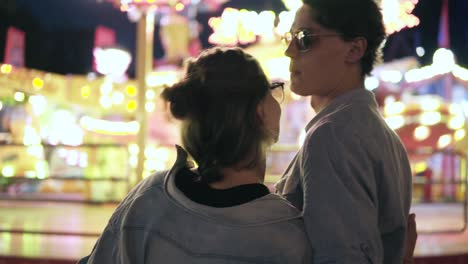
(456, 109)
(117, 98)
(397, 14)
(112, 61)
(444, 59)
(371, 83)
(459, 134)
(105, 101)
(456, 122)
(6, 68)
(131, 105)
(395, 122)
(150, 106)
(85, 91)
(444, 141)
(42, 169)
(420, 166)
(392, 76)
(31, 137)
(35, 151)
(39, 104)
(286, 19)
(38, 83)
(109, 127)
(133, 149)
(19, 96)
(131, 90)
(430, 104)
(430, 118)
(8, 171)
(179, 7)
(421, 133)
(106, 87)
(460, 72)
(394, 108)
(162, 78)
(150, 94)
(1, 106)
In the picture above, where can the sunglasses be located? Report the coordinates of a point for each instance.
(277, 91)
(303, 39)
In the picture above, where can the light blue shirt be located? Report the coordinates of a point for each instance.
(157, 223)
(352, 180)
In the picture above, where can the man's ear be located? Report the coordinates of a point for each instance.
(357, 49)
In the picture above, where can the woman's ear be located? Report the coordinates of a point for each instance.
(357, 50)
(261, 110)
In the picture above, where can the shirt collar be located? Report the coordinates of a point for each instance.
(360, 95)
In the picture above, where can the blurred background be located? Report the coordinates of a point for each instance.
(81, 121)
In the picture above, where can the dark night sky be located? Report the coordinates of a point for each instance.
(59, 34)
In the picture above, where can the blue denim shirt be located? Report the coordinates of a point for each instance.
(157, 223)
(352, 180)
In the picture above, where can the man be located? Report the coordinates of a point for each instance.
(351, 178)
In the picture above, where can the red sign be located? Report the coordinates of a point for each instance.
(14, 50)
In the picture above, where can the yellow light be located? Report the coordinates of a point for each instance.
(38, 83)
(1, 106)
(459, 134)
(456, 122)
(179, 7)
(109, 127)
(395, 108)
(395, 122)
(444, 141)
(430, 118)
(6, 68)
(421, 133)
(85, 91)
(420, 166)
(8, 171)
(131, 105)
(131, 90)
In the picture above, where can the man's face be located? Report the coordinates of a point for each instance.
(316, 69)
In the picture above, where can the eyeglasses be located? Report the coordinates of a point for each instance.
(303, 39)
(277, 91)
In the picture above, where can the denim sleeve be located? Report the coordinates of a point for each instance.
(340, 211)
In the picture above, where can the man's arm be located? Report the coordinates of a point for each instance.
(340, 202)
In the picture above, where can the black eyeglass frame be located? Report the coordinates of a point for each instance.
(276, 85)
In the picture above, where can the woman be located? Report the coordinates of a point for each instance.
(219, 212)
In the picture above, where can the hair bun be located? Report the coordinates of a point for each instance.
(177, 99)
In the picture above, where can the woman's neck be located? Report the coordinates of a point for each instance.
(233, 177)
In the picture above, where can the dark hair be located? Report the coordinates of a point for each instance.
(217, 103)
(353, 18)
